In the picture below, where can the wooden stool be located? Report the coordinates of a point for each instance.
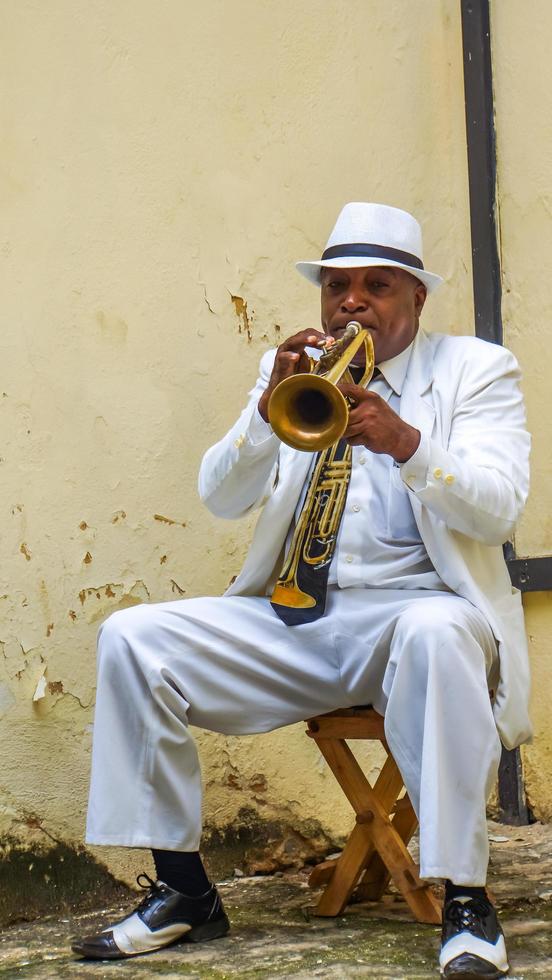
(376, 849)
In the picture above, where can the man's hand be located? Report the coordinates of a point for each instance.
(372, 423)
(291, 359)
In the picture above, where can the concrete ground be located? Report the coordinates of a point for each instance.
(275, 934)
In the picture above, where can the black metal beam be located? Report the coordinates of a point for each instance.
(487, 293)
(531, 574)
(480, 133)
(511, 792)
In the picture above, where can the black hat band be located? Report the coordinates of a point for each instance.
(373, 252)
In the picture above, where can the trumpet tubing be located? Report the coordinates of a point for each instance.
(316, 528)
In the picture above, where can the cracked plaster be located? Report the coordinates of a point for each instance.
(159, 230)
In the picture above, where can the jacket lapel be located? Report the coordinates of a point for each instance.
(416, 403)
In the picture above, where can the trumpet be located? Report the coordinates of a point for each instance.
(307, 411)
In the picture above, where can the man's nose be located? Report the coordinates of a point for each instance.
(354, 301)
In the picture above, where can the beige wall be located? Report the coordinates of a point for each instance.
(523, 97)
(165, 163)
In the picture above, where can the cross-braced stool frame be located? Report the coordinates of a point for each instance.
(376, 850)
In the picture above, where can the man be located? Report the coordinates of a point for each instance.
(414, 614)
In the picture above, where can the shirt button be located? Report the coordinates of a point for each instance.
(437, 473)
(239, 442)
(356, 508)
(349, 559)
(449, 479)
(362, 460)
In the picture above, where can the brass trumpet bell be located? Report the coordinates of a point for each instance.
(307, 411)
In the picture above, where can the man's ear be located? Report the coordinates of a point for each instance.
(420, 294)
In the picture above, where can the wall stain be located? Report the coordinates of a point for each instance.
(244, 318)
(55, 687)
(119, 515)
(72, 614)
(168, 520)
(49, 629)
(83, 525)
(176, 588)
(163, 559)
(25, 551)
(113, 327)
(87, 558)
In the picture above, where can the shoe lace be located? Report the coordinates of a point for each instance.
(468, 915)
(151, 887)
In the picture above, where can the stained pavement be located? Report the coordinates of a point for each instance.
(275, 934)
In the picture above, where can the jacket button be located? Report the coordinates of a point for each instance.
(437, 473)
(449, 478)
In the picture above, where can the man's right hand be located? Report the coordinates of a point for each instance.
(291, 359)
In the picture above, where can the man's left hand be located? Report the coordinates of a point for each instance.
(372, 423)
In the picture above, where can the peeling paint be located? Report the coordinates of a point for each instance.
(176, 588)
(168, 520)
(40, 691)
(244, 318)
(111, 597)
(119, 515)
(25, 551)
(87, 558)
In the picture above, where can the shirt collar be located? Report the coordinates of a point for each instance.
(394, 370)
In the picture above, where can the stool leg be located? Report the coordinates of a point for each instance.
(347, 871)
(360, 847)
(376, 877)
(375, 830)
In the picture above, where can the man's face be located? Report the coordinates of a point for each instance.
(386, 300)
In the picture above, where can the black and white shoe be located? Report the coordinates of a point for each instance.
(472, 942)
(163, 917)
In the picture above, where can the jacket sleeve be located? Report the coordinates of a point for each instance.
(479, 483)
(238, 473)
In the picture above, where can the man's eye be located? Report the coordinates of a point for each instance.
(380, 285)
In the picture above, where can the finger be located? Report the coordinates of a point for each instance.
(355, 393)
(310, 338)
(286, 364)
(356, 430)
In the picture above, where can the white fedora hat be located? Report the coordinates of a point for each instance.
(373, 234)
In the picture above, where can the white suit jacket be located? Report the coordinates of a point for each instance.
(463, 394)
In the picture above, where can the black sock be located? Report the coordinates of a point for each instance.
(182, 870)
(471, 891)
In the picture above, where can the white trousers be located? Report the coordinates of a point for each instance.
(424, 659)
